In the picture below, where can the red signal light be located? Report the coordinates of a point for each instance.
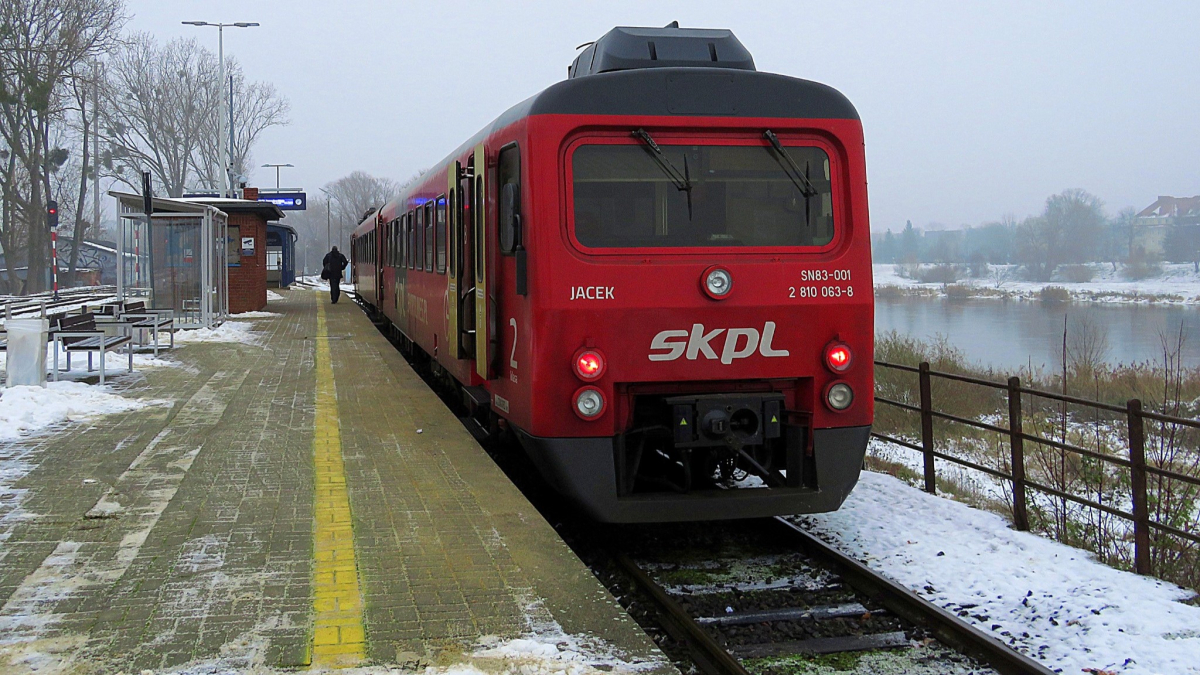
(838, 357)
(589, 364)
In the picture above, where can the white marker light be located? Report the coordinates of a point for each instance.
(840, 396)
(718, 282)
(589, 403)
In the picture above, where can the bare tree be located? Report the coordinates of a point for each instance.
(355, 196)
(1066, 232)
(257, 107)
(158, 103)
(43, 44)
(162, 114)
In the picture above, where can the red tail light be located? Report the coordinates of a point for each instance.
(838, 357)
(589, 364)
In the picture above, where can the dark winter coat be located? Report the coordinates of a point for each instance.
(333, 264)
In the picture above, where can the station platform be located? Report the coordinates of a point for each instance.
(293, 496)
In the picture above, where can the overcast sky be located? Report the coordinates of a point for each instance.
(971, 110)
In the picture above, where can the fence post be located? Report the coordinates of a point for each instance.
(1016, 442)
(927, 429)
(1137, 483)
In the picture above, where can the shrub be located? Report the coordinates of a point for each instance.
(1077, 274)
(889, 292)
(978, 266)
(1141, 266)
(1054, 294)
(959, 292)
(944, 273)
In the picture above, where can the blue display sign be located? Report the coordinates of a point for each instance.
(286, 201)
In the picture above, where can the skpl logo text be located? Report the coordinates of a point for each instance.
(740, 343)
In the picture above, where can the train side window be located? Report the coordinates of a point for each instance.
(420, 228)
(509, 173)
(428, 236)
(411, 248)
(439, 234)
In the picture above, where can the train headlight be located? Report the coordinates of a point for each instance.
(589, 403)
(589, 364)
(838, 357)
(839, 396)
(717, 282)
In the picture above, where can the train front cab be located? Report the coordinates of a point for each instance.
(711, 276)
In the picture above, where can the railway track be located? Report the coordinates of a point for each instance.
(750, 606)
(33, 305)
(760, 597)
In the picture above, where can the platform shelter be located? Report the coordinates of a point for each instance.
(174, 259)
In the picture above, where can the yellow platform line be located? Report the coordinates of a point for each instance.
(338, 637)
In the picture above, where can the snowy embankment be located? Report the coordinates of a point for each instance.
(1177, 284)
(1049, 601)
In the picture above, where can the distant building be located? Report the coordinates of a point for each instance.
(1156, 220)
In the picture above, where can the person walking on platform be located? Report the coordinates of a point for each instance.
(331, 270)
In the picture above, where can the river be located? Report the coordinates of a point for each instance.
(1010, 334)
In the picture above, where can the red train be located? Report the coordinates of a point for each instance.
(657, 273)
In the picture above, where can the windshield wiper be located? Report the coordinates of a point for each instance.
(795, 173)
(681, 181)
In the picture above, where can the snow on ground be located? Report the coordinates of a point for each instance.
(272, 296)
(1048, 600)
(534, 654)
(253, 315)
(230, 331)
(1107, 286)
(115, 363)
(27, 409)
(322, 285)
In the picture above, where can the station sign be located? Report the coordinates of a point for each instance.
(286, 201)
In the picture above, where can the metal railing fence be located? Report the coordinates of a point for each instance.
(1139, 471)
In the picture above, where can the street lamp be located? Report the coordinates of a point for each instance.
(328, 201)
(227, 183)
(265, 166)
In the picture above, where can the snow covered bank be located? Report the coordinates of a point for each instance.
(27, 409)
(1048, 600)
(1178, 284)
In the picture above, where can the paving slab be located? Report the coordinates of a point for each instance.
(295, 499)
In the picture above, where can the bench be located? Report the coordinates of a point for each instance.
(154, 320)
(79, 334)
(135, 316)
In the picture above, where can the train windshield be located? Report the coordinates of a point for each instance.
(670, 196)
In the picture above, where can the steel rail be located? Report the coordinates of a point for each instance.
(710, 657)
(947, 627)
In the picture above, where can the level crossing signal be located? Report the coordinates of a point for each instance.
(52, 213)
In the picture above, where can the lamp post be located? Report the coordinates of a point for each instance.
(277, 166)
(328, 238)
(222, 157)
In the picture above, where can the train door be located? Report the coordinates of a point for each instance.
(464, 251)
(508, 280)
(384, 230)
(482, 287)
(377, 244)
(453, 231)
